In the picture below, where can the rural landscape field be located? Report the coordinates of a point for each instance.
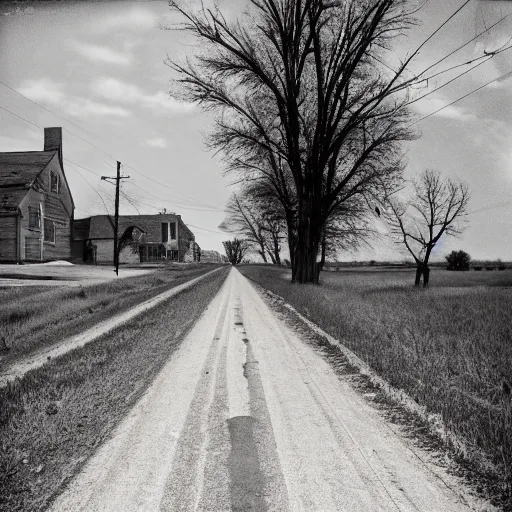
(447, 347)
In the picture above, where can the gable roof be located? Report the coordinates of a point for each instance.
(11, 199)
(102, 227)
(20, 169)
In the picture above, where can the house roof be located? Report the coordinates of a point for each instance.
(81, 228)
(22, 168)
(11, 199)
(103, 227)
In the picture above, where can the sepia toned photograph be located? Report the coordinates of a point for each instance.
(255, 255)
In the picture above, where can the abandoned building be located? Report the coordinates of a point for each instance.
(142, 238)
(36, 206)
(208, 256)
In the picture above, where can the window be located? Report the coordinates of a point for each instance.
(168, 231)
(54, 182)
(34, 218)
(49, 231)
(165, 232)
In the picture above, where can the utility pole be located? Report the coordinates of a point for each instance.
(117, 179)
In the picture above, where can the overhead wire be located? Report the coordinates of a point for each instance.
(462, 97)
(199, 203)
(51, 112)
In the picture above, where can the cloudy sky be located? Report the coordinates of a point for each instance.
(98, 68)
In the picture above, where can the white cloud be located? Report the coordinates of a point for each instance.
(429, 105)
(97, 53)
(157, 142)
(116, 90)
(132, 19)
(45, 90)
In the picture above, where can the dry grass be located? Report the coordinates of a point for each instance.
(448, 347)
(32, 317)
(55, 417)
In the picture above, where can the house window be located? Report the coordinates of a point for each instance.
(168, 231)
(49, 231)
(34, 218)
(54, 182)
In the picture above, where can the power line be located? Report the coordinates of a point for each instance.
(468, 42)
(441, 26)
(95, 190)
(22, 118)
(462, 97)
(171, 188)
(206, 229)
(199, 203)
(458, 76)
(45, 108)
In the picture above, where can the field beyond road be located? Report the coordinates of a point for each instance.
(449, 347)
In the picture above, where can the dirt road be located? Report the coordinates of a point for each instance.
(246, 416)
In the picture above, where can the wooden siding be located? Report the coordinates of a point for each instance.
(8, 238)
(32, 249)
(59, 209)
(33, 199)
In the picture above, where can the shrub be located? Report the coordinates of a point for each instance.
(458, 260)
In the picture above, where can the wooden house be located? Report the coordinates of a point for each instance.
(36, 206)
(142, 238)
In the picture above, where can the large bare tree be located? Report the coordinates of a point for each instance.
(299, 86)
(307, 101)
(437, 208)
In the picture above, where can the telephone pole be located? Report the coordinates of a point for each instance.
(117, 179)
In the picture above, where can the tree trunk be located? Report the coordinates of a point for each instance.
(263, 255)
(308, 244)
(292, 244)
(422, 270)
(272, 258)
(419, 272)
(426, 275)
(321, 264)
(277, 256)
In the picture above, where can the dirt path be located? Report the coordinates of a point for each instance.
(37, 359)
(246, 416)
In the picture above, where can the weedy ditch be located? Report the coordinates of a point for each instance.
(54, 418)
(32, 317)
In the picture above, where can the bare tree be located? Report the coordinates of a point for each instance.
(300, 88)
(253, 214)
(437, 208)
(235, 249)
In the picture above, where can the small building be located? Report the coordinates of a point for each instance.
(208, 256)
(36, 206)
(142, 238)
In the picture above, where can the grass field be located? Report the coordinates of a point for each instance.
(55, 417)
(34, 316)
(449, 347)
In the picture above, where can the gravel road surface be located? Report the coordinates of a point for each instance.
(246, 416)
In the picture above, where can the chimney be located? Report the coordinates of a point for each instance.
(53, 141)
